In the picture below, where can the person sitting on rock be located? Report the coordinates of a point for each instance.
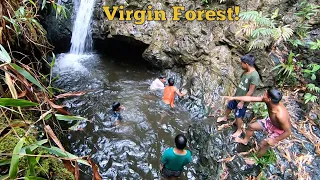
(169, 93)
(174, 159)
(249, 80)
(158, 84)
(277, 124)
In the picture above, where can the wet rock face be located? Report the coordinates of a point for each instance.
(59, 29)
(210, 148)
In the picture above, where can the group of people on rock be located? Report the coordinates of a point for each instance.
(277, 124)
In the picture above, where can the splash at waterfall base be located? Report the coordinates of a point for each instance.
(160, 15)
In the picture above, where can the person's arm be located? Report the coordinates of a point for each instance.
(249, 93)
(244, 98)
(178, 92)
(163, 160)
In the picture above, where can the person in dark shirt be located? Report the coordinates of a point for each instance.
(115, 115)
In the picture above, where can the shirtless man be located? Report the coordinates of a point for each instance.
(277, 124)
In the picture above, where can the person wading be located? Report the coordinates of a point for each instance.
(174, 159)
(169, 93)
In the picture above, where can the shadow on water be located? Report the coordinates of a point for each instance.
(132, 149)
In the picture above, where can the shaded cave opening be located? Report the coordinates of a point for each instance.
(125, 50)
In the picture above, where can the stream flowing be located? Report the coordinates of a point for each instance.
(133, 148)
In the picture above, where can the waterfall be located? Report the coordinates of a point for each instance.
(81, 40)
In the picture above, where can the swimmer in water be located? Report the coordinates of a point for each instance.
(169, 93)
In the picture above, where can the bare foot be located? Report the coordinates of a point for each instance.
(249, 161)
(237, 133)
(220, 119)
(240, 140)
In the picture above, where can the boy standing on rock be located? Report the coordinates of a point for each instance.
(277, 125)
(248, 83)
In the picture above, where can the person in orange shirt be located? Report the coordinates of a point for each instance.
(169, 92)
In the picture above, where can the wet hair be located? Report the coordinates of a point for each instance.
(171, 81)
(181, 141)
(115, 106)
(275, 95)
(162, 77)
(249, 59)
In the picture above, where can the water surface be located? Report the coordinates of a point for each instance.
(132, 149)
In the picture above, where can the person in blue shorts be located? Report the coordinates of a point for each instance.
(249, 81)
(174, 159)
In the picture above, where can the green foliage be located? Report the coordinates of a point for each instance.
(306, 11)
(23, 27)
(296, 42)
(205, 1)
(268, 158)
(15, 159)
(315, 45)
(260, 109)
(16, 102)
(311, 71)
(286, 69)
(262, 30)
(313, 91)
(310, 97)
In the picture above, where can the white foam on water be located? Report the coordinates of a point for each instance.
(71, 63)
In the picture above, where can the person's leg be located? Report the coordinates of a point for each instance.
(263, 148)
(239, 124)
(231, 105)
(251, 128)
(239, 115)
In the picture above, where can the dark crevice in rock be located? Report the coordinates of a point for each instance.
(127, 49)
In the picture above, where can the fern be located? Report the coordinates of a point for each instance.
(250, 15)
(282, 33)
(310, 97)
(259, 43)
(262, 32)
(313, 87)
(265, 21)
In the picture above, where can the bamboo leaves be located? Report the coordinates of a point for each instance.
(4, 56)
(68, 118)
(28, 76)
(15, 159)
(16, 102)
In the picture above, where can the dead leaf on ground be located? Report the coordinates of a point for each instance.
(96, 174)
(48, 129)
(70, 94)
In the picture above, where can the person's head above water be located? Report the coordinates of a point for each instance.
(247, 59)
(274, 95)
(181, 141)
(171, 81)
(162, 78)
(115, 106)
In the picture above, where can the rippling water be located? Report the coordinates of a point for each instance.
(132, 149)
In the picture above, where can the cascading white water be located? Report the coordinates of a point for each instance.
(81, 41)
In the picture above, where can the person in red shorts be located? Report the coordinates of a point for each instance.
(277, 124)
